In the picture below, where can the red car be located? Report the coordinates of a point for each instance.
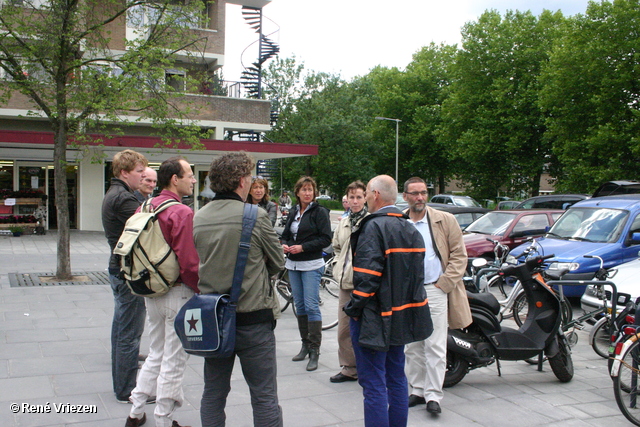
(510, 227)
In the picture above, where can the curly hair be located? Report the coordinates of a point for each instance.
(127, 160)
(226, 171)
(306, 180)
(259, 181)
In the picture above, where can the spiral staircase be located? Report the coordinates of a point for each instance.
(253, 83)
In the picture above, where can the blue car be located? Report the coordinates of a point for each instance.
(608, 227)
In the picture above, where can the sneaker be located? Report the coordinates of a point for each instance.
(136, 422)
(175, 424)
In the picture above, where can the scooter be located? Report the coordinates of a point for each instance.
(486, 341)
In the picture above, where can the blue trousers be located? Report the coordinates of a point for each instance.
(384, 384)
(128, 324)
(305, 287)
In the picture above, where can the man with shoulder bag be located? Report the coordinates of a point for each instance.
(217, 231)
(163, 370)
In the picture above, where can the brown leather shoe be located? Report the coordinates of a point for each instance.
(136, 422)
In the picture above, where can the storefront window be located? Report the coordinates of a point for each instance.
(32, 180)
(6, 175)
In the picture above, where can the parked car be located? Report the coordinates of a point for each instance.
(451, 199)
(605, 226)
(507, 204)
(323, 197)
(509, 227)
(552, 201)
(626, 281)
(465, 215)
(612, 188)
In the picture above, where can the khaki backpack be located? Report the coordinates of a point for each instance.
(147, 262)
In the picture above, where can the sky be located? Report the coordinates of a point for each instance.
(350, 37)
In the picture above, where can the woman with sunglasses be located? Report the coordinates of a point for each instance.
(259, 195)
(306, 234)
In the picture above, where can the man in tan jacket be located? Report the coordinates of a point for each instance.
(444, 264)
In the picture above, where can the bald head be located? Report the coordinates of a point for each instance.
(381, 191)
(149, 182)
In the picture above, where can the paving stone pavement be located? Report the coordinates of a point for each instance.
(55, 351)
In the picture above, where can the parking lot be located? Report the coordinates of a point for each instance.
(55, 343)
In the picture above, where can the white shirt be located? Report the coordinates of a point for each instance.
(432, 266)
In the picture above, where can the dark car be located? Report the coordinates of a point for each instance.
(465, 215)
(613, 188)
(507, 204)
(552, 201)
(509, 227)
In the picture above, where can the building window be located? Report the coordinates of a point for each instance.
(175, 79)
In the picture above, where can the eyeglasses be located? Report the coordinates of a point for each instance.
(417, 193)
(256, 177)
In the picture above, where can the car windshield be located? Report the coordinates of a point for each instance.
(465, 201)
(495, 223)
(590, 224)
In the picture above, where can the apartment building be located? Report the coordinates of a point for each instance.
(26, 140)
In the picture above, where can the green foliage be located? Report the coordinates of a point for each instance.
(591, 93)
(491, 121)
(332, 114)
(335, 205)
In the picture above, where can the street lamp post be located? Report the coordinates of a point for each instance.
(397, 123)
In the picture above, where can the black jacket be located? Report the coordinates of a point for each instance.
(314, 232)
(118, 205)
(388, 282)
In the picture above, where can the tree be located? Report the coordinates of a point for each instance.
(415, 96)
(66, 58)
(491, 120)
(322, 109)
(591, 91)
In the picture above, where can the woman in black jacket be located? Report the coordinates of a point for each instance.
(307, 232)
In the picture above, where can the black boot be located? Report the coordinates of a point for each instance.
(315, 338)
(303, 327)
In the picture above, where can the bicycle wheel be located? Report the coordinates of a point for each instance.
(498, 287)
(281, 284)
(600, 338)
(625, 385)
(520, 309)
(329, 289)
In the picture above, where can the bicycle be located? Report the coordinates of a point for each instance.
(329, 290)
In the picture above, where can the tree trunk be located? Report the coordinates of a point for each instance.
(63, 269)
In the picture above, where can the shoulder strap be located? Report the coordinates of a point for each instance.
(249, 217)
(148, 207)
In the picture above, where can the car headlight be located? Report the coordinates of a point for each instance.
(571, 266)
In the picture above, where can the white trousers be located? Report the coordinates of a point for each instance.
(163, 370)
(426, 361)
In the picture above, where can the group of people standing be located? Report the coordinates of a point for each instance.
(399, 274)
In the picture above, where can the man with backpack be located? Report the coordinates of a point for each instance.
(128, 314)
(163, 370)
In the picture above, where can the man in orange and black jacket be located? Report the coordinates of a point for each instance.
(388, 306)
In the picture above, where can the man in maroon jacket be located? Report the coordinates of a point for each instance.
(163, 370)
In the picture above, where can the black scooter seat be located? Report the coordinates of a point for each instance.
(484, 299)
